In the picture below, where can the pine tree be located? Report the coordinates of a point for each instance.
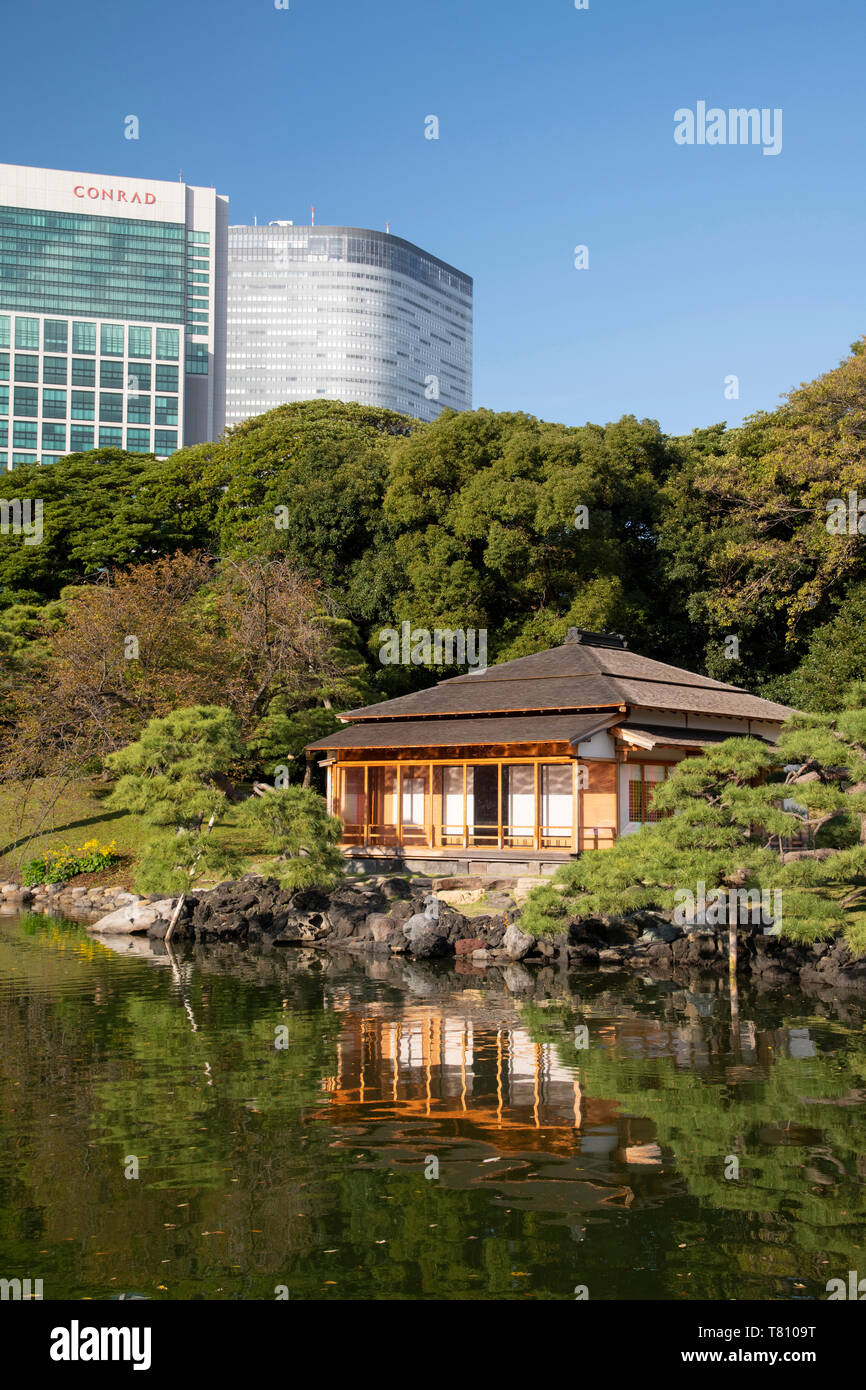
(724, 827)
(173, 776)
(295, 825)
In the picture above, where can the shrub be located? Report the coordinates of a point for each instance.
(58, 865)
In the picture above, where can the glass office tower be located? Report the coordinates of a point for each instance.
(112, 314)
(340, 313)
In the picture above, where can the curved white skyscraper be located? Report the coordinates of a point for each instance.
(341, 313)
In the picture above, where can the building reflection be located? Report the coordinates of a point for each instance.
(477, 1080)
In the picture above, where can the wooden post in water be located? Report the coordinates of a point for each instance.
(182, 899)
(732, 966)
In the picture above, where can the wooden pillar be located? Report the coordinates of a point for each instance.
(575, 805)
(428, 806)
(366, 803)
(465, 826)
(536, 781)
(580, 805)
(399, 816)
(499, 840)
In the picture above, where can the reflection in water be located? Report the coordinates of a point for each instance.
(423, 1134)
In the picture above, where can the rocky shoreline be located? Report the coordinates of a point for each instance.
(389, 917)
(61, 897)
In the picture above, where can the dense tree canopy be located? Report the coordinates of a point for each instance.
(712, 551)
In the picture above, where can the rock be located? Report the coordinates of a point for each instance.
(134, 917)
(582, 955)
(380, 926)
(659, 950)
(518, 979)
(517, 943)
(468, 944)
(427, 945)
(660, 931)
(394, 888)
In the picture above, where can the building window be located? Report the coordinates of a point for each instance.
(196, 359)
(53, 406)
(165, 410)
(168, 344)
(54, 370)
(111, 376)
(80, 439)
(26, 368)
(110, 438)
(4, 400)
(556, 813)
(110, 407)
(83, 371)
(166, 378)
(26, 401)
(138, 409)
(4, 366)
(56, 335)
(54, 438)
(27, 333)
(165, 441)
(111, 340)
(4, 330)
(138, 441)
(82, 405)
(643, 780)
(139, 341)
(84, 337)
(138, 378)
(24, 436)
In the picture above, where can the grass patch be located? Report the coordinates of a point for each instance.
(26, 831)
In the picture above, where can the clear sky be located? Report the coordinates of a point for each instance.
(556, 129)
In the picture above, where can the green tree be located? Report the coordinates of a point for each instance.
(294, 824)
(486, 509)
(721, 819)
(174, 777)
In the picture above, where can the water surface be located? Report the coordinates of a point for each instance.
(330, 1127)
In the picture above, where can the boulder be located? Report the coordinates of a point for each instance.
(467, 944)
(659, 931)
(517, 943)
(134, 917)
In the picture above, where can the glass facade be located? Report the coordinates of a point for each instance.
(115, 386)
(98, 266)
(112, 310)
(341, 313)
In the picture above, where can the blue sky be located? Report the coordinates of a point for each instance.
(556, 129)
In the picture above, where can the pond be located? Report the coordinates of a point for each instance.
(224, 1123)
